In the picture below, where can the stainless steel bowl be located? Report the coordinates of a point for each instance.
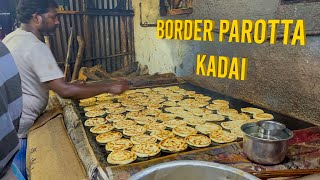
(265, 149)
(191, 170)
(271, 128)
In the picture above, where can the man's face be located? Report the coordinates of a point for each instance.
(49, 22)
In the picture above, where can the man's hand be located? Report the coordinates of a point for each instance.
(118, 87)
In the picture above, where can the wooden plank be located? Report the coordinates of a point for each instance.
(119, 60)
(77, 6)
(123, 39)
(117, 42)
(64, 36)
(75, 29)
(128, 32)
(87, 34)
(128, 36)
(101, 35)
(107, 37)
(131, 26)
(78, 58)
(96, 37)
(112, 37)
(68, 26)
(58, 44)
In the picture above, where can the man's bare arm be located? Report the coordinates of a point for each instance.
(80, 91)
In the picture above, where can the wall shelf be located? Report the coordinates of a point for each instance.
(179, 11)
(167, 7)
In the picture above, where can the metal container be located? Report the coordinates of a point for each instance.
(191, 170)
(270, 128)
(265, 149)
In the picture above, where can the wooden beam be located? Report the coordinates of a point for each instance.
(99, 12)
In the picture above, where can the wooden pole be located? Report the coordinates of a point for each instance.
(66, 63)
(79, 58)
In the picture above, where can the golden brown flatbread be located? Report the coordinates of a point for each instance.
(115, 117)
(93, 108)
(108, 136)
(175, 98)
(195, 121)
(146, 150)
(174, 109)
(200, 111)
(217, 106)
(152, 112)
(173, 88)
(198, 140)
(134, 130)
(154, 106)
(162, 134)
(232, 124)
(238, 132)
(135, 115)
(199, 103)
(184, 131)
(94, 121)
(174, 123)
(222, 136)
(154, 126)
(145, 120)
(203, 98)
(103, 128)
(118, 110)
(169, 103)
(144, 90)
(119, 144)
(252, 110)
(213, 117)
(123, 124)
(105, 98)
(189, 92)
(240, 116)
(121, 157)
(113, 105)
(143, 139)
(165, 116)
(173, 144)
(227, 112)
(95, 113)
(158, 89)
(207, 128)
(88, 100)
(104, 95)
(134, 108)
(220, 101)
(263, 116)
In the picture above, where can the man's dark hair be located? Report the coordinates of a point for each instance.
(26, 8)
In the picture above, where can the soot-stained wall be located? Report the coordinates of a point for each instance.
(283, 78)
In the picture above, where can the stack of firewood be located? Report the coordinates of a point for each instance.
(136, 75)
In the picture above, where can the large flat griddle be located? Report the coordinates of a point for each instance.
(101, 153)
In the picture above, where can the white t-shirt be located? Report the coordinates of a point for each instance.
(36, 64)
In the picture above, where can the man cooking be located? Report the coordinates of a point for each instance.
(38, 68)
